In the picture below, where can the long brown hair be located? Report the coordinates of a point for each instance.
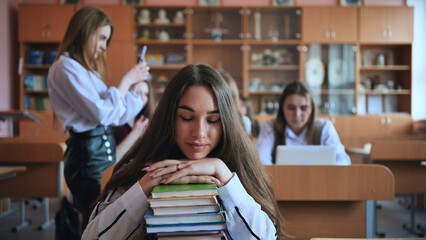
(280, 123)
(76, 41)
(234, 92)
(148, 107)
(235, 149)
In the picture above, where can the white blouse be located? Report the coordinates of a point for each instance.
(82, 101)
(329, 136)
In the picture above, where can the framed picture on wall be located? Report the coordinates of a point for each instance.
(209, 2)
(132, 2)
(283, 2)
(350, 2)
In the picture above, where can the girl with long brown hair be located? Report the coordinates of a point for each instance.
(86, 107)
(296, 124)
(193, 137)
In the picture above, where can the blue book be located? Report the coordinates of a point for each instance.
(185, 228)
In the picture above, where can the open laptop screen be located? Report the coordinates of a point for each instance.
(305, 155)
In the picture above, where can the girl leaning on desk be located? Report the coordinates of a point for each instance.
(296, 124)
(193, 137)
(86, 107)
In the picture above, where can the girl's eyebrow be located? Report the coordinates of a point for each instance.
(192, 110)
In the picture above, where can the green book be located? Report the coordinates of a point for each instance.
(39, 105)
(184, 190)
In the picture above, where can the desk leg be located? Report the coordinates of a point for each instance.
(411, 229)
(9, 209)
(10, 126)
(24, 223)
(47, 220)
(370, 218)
(60, 177)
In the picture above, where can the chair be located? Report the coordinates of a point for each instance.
(106, 176)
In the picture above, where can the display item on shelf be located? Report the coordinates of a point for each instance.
(162, 17)
(144, 16)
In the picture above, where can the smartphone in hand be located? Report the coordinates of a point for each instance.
(142, 56)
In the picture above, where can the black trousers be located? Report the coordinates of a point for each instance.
(87, 156)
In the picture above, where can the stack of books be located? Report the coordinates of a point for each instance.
(188, 211)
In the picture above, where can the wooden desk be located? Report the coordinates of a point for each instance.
(8, 172)
(403, 157)
(43, 160)
(11, 171)
(365, 238)
(329, 201)
(43, 178)
(12, 114)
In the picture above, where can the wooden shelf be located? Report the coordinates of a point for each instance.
(270, 42)
(159, 25)
(154, 41)
(167, 67)
(386, 92)
(272, 68)
(214, 42)
(44, 91)
(268, 92)
(385, 68)
(333, 91)
(35, 66)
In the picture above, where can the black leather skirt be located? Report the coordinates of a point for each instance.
(89, 153)
(87, 156)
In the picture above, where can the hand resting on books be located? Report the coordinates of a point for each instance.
(207, 170)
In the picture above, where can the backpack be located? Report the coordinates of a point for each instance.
(68, 224)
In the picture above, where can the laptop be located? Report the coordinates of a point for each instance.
(305, 155)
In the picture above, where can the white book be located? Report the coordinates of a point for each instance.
(160, 211)
(172, 202)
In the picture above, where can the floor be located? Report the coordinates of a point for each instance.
(391, 217)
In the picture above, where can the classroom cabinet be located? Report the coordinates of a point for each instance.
(384, 78)
(329, 24)
(386, 24)
(373, 126)
(121, 54)
(396, 125)
(122, 19)
(336, 50)
(43, 23)
(121, 57)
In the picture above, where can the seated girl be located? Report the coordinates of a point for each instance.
(296, 124)
(193, 137)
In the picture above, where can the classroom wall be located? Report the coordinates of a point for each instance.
(419, 61)
(9, 58)
(9, 51)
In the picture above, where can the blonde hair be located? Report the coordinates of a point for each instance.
(76, 41)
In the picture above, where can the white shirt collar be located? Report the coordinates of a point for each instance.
(293, 139)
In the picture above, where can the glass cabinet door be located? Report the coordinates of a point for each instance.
(216, 24)
(273, 24)
(329, 70)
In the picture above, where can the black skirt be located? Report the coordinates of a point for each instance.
(87, 156)
(89, 153)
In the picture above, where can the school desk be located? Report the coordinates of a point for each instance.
(15, 114)
(7, 172)
(43, 178)
(405, 157)
(10, 171)
(330, 201)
